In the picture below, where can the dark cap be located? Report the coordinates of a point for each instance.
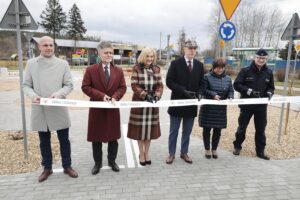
(261, 52)
(191, 44)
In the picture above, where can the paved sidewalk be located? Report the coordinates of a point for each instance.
(228, 177)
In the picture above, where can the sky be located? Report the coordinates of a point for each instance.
(142, 21)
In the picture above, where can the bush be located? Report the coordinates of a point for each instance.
(230, 71)
(280, 74)
(207, 68)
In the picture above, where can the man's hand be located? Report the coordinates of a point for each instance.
(217, 97)
(149, 98)
(106, 98)
(199, 96)
(249, 92)
(189, 95)
(36, 99)
(270, 95)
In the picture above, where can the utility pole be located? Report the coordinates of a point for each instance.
(160, 46)
(168, 49)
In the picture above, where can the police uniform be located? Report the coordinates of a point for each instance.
(254, 83)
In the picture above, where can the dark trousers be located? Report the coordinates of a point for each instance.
(112, 151)
(215, 138)
(260, 123)
(46, 151)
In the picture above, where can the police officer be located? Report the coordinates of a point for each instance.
(254, 81)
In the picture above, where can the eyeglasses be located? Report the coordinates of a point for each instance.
(261, 58)
(47, 45)
(108, 52)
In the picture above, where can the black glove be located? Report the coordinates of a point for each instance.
(155, 98)
(270, 94)
(149, 98)
(189, 94)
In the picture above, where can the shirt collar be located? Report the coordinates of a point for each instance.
(187, 60)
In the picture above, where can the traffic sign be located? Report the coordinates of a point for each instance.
(297, 47)
(9, 19)
(295, 25)
(229, 6)
(227, 30)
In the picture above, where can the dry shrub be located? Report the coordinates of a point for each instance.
(230, 71)
(280, 74)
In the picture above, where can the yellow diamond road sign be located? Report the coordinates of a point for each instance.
(229, 6)
(297, 47)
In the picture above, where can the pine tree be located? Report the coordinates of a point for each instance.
(53, 18)
(75, 27)
(283, 53)
(181, 41)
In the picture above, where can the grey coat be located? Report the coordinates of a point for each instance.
(45, 77)
(214, 116)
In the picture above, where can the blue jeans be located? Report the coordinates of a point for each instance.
(46, 151)
(186, 132)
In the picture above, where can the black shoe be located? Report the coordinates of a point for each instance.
(143, 163)
(96, 168)
(148, 162)
(236, 151)
(263, 156)
(114, 166)
(207, 154)
(214, 154)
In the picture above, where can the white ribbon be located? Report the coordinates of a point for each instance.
(165, 103)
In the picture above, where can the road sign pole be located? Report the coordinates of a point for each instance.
(224, 51)
(287, 70)
(20, 64)
(295, 63)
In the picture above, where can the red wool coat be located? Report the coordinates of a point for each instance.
(103, 123)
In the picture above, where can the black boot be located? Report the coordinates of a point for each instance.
(96, 168)
(262, 156)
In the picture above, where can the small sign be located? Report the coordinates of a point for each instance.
(227, 30)
(229, 6)
(9, 19)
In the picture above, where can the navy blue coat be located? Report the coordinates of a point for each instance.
(179, 78)
(261, 81)
(214, 116)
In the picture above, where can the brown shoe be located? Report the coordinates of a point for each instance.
(170, 159)
(71, 172)
(45, 174)
(186, 158)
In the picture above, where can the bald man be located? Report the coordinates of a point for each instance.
(49, 77)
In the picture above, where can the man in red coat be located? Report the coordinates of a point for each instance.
(104, 82)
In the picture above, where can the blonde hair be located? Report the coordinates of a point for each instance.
(144, 53)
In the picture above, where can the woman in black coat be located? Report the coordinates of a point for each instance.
(218, 86)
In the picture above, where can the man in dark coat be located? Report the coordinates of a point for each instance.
(254, 81)
(185, 79)
(104, 82)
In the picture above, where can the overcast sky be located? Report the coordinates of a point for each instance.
(141, 21)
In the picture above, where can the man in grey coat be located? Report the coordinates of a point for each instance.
(49, 77)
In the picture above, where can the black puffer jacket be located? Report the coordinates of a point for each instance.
(214, 116)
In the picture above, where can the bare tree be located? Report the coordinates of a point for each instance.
(181, 41)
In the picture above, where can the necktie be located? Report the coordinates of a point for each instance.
(190, 66)
(106, 73)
